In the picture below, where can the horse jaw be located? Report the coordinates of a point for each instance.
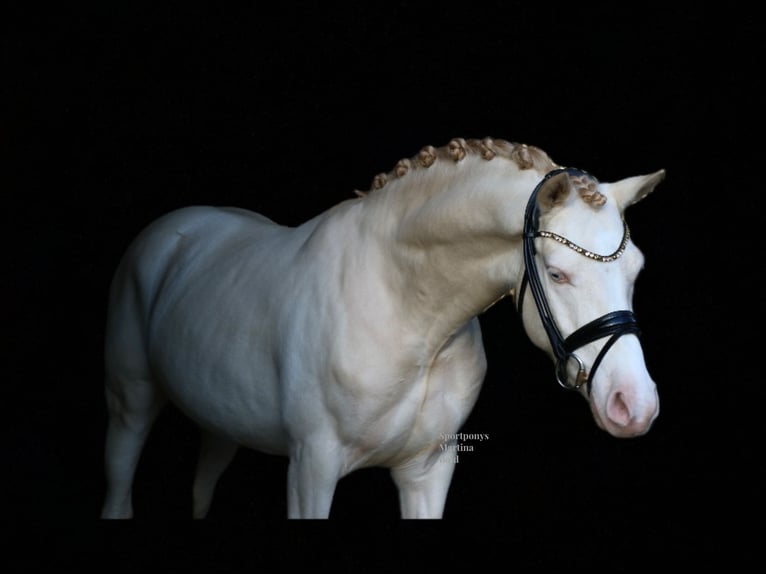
(624, 399)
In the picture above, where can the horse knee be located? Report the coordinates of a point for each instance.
(423, 487)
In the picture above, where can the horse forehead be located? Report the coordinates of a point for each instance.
(599, 230)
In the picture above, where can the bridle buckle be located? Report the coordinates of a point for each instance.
(562, 376)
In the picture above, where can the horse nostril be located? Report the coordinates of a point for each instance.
(617, 409)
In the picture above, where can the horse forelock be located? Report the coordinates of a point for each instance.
(523, 156)
(587, 187)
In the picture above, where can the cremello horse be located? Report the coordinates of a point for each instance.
(352, 340)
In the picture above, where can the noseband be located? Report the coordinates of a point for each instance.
(613, 325)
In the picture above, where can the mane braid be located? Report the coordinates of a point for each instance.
(587, 186)
(523, 155)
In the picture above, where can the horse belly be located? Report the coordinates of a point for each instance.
(220, 383)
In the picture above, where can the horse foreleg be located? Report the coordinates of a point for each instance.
(312, 475)
(423, 484)
(215, 455)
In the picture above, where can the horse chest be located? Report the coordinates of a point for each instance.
(401, 412)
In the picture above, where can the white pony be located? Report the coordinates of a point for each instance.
(352, 340)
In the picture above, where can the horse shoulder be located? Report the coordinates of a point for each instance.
(383, 383)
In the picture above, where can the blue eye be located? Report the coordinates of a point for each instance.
(557, 275)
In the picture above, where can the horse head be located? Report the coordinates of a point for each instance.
(581, 266)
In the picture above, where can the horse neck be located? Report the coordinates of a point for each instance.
(454, 237)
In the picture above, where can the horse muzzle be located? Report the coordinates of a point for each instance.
(627, 410)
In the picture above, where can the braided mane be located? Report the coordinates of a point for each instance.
(523, 155)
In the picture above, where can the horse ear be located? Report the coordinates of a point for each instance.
(631, 190)
(553, 192)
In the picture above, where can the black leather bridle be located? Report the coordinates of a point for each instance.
(613, 325)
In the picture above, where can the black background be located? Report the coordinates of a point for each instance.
(114, 116)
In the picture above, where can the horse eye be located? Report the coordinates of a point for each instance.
(557, 275)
